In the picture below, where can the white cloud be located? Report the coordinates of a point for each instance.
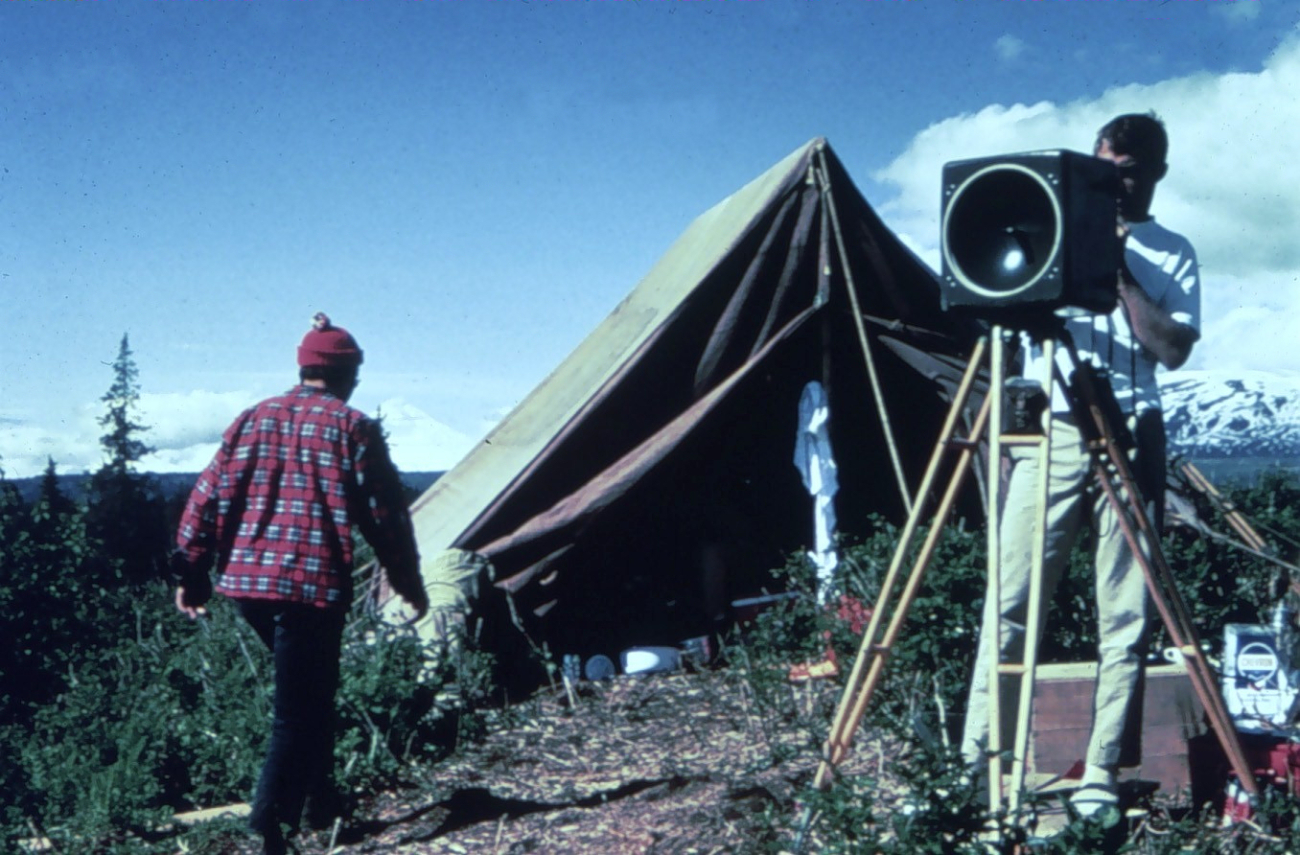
(193, 458)
(70, 439)
(183, 419)
(1233, 188)
(1009, 48)
(184, 428)
(419, 442)
(185, 431)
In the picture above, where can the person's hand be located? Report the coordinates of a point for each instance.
(190, 601)
(418, 600)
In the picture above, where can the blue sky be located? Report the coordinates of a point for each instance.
(470, 186)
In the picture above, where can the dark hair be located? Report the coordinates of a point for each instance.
(333, 375)
(1141, 135)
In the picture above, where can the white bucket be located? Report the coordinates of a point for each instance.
(646, 660)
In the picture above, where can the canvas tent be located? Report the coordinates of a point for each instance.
(653, 471)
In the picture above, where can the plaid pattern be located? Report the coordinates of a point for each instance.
(276, 506)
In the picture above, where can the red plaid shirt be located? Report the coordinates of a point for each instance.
(276, 506)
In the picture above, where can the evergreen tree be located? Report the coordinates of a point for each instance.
(127, 511)
(14, 546)
(49, 610)
(122, 445)
(52, 505)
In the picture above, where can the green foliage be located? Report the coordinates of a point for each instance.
(127, 515)
(936, 809)
(54, 599)
(1223, 583)
(149, 725)
(395, 705)
(175, 717)
(940, 811)
(930, 662)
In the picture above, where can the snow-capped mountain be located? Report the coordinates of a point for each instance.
(1232, 414)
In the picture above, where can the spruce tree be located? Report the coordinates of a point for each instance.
(126, 509)
(52, 504)
(50, 611)
(122, 445)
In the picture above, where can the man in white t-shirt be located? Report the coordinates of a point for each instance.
(1156, 320)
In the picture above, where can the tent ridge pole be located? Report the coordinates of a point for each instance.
(828, 203)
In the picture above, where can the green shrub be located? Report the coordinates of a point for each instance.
(932, 807)
(400, 699)
(160, 723)
(177, 715)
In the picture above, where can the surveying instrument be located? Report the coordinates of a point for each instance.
(1028, 240)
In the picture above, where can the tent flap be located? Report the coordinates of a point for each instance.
(649, 478)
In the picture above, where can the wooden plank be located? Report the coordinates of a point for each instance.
(235, 811)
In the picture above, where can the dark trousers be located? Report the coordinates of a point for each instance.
(305, 642)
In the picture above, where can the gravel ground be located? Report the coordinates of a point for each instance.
(687, 764)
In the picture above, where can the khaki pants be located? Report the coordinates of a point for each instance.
(1121, 595)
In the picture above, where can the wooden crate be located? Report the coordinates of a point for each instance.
(1062, 721)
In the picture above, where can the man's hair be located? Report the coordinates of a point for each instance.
(1141, 135)
(333, 375)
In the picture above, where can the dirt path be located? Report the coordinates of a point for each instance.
(684, 763)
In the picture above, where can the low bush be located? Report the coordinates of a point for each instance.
(176, 718)
(931, 807)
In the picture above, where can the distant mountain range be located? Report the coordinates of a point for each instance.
(176, 483)
(1215, 415)
(1236, 422)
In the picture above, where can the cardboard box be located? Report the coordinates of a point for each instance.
(1256, 683)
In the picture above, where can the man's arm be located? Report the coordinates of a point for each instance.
(1154, 328)
(191, 562)
(385, 521)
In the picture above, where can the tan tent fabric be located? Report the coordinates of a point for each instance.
(663, 445)
(462, 494)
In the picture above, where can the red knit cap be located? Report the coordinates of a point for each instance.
(327, 345)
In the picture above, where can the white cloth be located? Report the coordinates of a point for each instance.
(816, 464)
(1164, 265)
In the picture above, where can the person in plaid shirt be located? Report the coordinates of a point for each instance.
(275, 512)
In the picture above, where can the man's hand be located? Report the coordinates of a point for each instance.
(418, 600)
(190, 600)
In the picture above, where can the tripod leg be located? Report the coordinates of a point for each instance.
(993, 532)
(1234, 517)
(1121, 491)
(1034, 616)
(999, 673)
(894, 630)
(870, 658)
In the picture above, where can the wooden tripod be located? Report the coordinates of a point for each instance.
(1110, 464)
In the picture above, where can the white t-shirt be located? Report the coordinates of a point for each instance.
(1164, 264)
